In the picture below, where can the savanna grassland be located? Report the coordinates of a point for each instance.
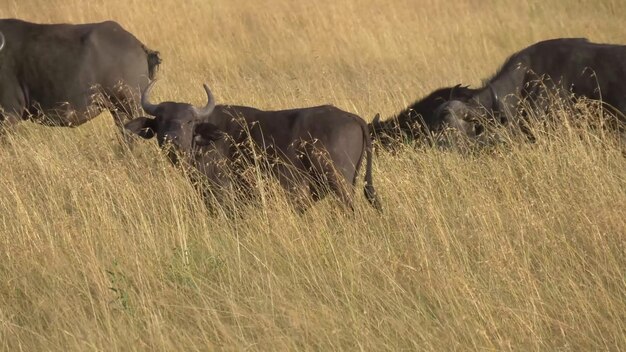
(519, 247)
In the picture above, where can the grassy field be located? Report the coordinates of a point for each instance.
(518, 248)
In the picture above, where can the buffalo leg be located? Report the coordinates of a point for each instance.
(7, 122)
(296, 186)
(12, 105)
(340, 188)
(329, 177)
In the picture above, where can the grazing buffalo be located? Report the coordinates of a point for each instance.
(310, 150)
(64, 75)
(419, 120)
(565, 67)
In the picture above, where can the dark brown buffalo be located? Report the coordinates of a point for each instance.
(64, 74)
(419, 121)
(564, 67)
(310, 150)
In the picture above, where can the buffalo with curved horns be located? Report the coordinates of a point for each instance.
(420, 120)
(309, 150)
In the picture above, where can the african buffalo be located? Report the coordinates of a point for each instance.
(565, 67)
(418, 120)
(309, 150)
(64, 74)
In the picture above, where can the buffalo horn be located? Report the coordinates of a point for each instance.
(206, 111)
(145, 100)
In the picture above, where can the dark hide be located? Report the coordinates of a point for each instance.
(308, 150)
(567, 67)
(64, 75)
(419, 120)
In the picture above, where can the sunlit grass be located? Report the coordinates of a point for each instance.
(518, 247)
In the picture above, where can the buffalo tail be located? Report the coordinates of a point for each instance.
(369, 191)
(154, 60)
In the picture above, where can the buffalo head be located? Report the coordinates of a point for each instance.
(459, 115)
(172, 123)
(211, 155)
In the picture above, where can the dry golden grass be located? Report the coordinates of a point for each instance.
(519, 248)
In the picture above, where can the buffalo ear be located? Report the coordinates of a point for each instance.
(143, 126)
(205, 133)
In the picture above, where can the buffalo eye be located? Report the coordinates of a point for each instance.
(205, 133)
